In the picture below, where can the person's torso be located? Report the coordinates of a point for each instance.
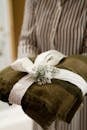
(61, 27)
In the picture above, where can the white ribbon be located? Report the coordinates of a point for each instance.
(42, 71)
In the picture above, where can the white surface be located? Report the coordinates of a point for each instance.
(15, 119)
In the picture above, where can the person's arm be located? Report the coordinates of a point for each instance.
(84, 49)
(28, 42)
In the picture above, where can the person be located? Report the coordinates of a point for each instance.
(59, 25)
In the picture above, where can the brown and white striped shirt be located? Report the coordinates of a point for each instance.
(60, 25)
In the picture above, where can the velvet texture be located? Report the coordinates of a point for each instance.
(45, 103)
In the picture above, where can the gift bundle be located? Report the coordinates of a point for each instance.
(52, 86)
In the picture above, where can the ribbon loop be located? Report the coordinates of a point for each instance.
(51, 58)
(22, 65)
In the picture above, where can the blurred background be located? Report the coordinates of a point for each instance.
(11, 18)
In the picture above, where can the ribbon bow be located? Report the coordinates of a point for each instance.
(41, 71)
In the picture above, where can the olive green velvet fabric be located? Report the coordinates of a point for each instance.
(45, 103)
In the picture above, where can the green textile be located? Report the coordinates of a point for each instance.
(45, 103)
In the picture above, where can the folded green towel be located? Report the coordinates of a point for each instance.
(45, 103)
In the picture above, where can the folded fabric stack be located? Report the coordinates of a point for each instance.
(50, 93)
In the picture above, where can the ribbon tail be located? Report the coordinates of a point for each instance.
(19, 90)
(67, 75)
(71, 77)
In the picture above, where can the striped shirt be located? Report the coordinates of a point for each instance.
(59, 25)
